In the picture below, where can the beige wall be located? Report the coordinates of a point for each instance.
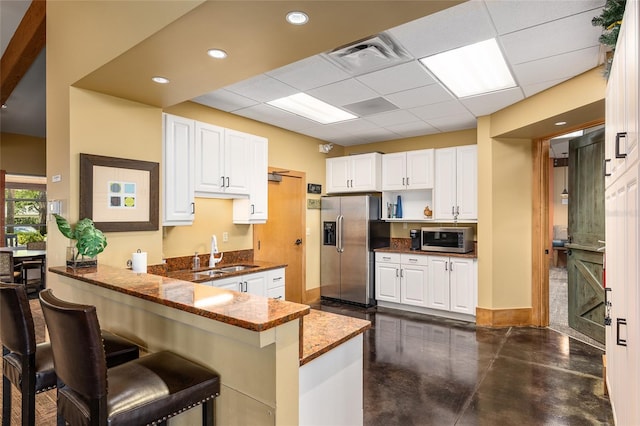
(560, 211)
(23, 155)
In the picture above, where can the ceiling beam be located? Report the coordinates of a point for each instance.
(25, 45)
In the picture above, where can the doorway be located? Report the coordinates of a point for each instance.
(281, 238)
(574, 272)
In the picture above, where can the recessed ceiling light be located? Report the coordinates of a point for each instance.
(560, 123)
(311, 108)
(472, 70)
(296, 17)
(217, 53)
(160, 80)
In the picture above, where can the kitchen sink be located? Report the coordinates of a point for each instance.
(236, 268)
(210, 273)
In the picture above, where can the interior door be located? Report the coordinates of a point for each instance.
(586, 231)
(281, 239)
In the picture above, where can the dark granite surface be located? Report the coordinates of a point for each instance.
(403, 245)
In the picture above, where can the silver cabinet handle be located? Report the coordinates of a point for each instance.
(446, 266)
(222, 184)
(397, 275)
(403, 184)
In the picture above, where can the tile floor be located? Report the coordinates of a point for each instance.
(423, 370)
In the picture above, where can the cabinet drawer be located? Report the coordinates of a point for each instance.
(388, 257)
(276, 293)
(275, 278)
(414, 259)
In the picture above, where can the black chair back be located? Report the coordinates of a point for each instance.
(16, 322)
(78, 352)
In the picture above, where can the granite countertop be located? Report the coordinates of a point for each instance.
(192, 275)
(324, 331)
(404, 250)
(243, 310)
(321, 331)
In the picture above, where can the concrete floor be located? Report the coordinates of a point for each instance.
(423, 370)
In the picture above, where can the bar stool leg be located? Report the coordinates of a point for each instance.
(208, 413)
(6, 402)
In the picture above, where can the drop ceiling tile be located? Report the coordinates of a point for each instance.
(262, 88)
(509, 16)
(454, 122)
(354, 127)
(414, 128)
(553, 38)
(396, 79)
(439, 110)
(392, 118)
(225, 100)
(492, 102)
(275, 116)
(378, 135)
(557, 67)
(451, 28)
(343, 92)
(309, 73)
(420, 96)
(326, 133)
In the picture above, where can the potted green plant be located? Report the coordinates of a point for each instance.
(89, 242)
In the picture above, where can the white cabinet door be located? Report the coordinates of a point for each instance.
(178, 165)
(388, 282)
(365, 175)
(254, 208)
(236, 165)
(456, 183)
(407, 170)
(394, 171)
(445, 184)
(226, 283)
(254, 284)
(420, 169)
(413, 287)
(354, 173)
(462, 285)
(209, 153)
(438, 283)
(467, 182)
(338, 174)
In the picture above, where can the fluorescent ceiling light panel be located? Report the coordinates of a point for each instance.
(311, 108)
(471, 70)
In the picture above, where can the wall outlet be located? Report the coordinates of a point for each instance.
(225, 237)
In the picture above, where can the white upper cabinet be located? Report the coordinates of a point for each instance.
(456, 183)
(255, 209)
(178, 165)
(222, 169)
(203, 160)
(407, 170)
(354, 173)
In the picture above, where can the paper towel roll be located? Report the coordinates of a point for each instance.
(139, 262)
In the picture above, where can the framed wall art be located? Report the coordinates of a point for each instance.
(119, 194)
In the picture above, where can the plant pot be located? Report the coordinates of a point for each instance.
(76, 260)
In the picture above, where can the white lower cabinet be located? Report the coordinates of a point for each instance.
(428, 284)
(452, 284)
(268, 284)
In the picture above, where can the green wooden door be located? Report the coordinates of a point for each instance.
(586, 231)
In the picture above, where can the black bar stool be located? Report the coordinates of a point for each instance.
(29, 366)
(148, 390)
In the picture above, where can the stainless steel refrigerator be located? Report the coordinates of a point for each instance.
(351, 229)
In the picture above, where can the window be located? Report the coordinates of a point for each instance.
(25, 208)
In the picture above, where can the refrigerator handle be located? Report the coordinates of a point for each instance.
(339, 245)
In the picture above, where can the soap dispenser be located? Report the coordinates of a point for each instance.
(196, 262)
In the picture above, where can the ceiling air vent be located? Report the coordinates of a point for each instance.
(368, 55)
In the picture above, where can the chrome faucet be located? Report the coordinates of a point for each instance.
(213, 260)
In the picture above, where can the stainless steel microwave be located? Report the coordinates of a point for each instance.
(451, 240)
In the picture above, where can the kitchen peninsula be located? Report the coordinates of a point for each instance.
(265, 350)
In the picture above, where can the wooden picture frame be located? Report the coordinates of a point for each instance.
(119, 194)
